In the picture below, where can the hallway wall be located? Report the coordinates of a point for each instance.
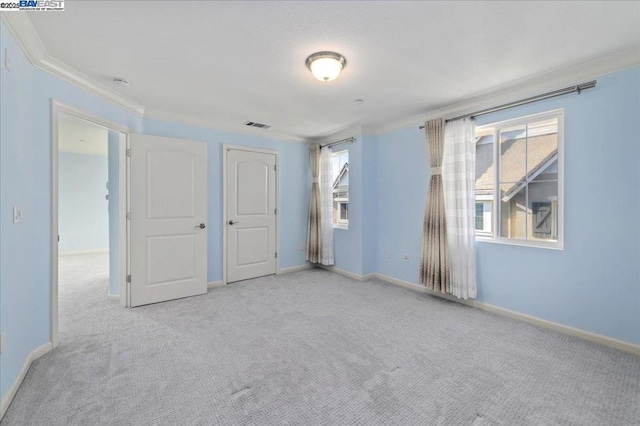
(83, 211)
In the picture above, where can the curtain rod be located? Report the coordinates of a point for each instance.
(351, 139)
(571, 89)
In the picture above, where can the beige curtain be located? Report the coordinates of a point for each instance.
(314, 236)
(434, 265)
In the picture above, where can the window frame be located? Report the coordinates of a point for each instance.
(341, 223)
(496, 211)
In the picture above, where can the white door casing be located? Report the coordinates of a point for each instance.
(56, 109)
(250, 205)
(168, 238)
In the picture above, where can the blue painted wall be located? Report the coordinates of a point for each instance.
(594, 283)
(294, 188)
(24, 265)
(83, 211)
(403, 178)
(370, 192)
(25, 180)
(355, 248)
(114, 207)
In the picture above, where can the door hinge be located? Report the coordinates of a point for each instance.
(275, 168)
(275, 211)
(128, 215)
(276, 255)
(128, 278)
(128, 152)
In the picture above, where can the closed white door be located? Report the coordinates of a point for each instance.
(168, 219)
(251, 214)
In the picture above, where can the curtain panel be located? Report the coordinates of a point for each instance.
(314, 233)
(458, 176)
(326, 206)
(434, 264)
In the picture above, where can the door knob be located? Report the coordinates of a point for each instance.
(202, 226)
(232, 222)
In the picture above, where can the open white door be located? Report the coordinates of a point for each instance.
(168, 219)
(251, 214)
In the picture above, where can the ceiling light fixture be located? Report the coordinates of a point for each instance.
(326, 66)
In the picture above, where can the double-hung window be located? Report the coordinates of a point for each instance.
(519, 192)
(340, 170)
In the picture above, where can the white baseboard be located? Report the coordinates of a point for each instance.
(81, 252)
(295, 269)
(113, 296)
(402, 283)
(348, 274)
(11, 392)
(561, 328)
(214, 284)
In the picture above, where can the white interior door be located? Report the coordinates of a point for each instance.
(251, 214)
(168, 219)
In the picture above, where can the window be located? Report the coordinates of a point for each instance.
(340, 170)
(518, 177)
(479, 216)
(483, 217)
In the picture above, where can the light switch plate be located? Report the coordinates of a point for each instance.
(17, 214)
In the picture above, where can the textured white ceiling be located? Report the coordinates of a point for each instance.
(224, 63)
(81, 137)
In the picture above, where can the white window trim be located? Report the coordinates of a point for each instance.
(496, 238)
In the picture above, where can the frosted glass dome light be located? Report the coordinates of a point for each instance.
(326, 66)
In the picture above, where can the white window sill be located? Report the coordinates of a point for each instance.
(341, 226)
(521, 243)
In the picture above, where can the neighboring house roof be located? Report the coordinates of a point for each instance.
(343, 173)
(542, 153)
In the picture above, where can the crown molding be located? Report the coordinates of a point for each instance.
(27, 37)
(220, 126)
(523, 88)
(339, 134)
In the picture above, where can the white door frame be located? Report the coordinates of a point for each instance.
(225, 149)
(56, 109)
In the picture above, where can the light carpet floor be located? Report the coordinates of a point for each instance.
(314, 348)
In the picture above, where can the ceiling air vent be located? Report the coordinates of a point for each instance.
(258, 125)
